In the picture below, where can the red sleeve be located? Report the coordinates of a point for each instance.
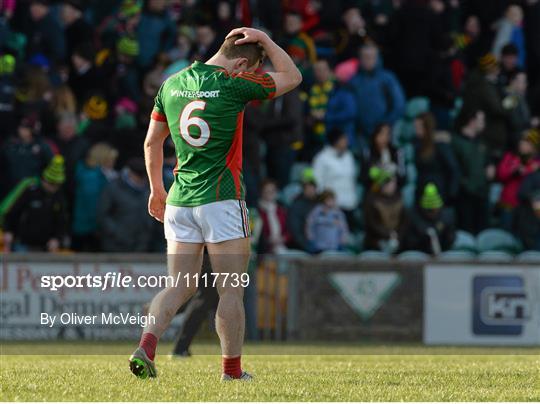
(507, 167)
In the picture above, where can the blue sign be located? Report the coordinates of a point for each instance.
(500, 305)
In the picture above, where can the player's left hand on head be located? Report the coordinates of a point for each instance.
(156, 204)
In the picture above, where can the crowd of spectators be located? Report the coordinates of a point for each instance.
(415, 118)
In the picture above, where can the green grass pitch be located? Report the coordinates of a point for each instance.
(318, 372)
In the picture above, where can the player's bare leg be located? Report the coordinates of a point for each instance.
(183, 258)
(230, 257)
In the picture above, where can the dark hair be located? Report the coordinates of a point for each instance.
(509, 49)
(268, 181)
(253, 52)
(327, 193)
(333, 136)
(465, 116)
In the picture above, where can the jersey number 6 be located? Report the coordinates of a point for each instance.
(186, 121)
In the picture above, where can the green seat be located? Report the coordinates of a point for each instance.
(336, 255)
(456, 256)
(374, 255)
(464, 241)
(529, 256)
(495, 256)
(414, 256)
(497, 240)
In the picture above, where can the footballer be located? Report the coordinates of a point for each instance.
(202, 108)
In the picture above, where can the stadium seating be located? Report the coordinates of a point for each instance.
(464, 242)
(372, 255)
(497, 240)
(455, 256)
(529, 256)
(495, 256)
(336, 255)
(413, 256)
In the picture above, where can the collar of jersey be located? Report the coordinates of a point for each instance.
(204, 65)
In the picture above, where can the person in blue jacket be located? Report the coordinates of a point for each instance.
(341, 112)
(379, 95)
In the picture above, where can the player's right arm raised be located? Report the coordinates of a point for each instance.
(286, 75)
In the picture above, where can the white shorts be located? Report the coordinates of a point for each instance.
(210, 223)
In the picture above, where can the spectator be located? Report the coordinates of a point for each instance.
(431, 228)
(93, 123)
(527, 222)
(63, 102)
(470, 42)
(124, 23)
(44, 33)
(481, 93)
(298, 44)
(125, 114)
(515, 103)
(283, 134)
(123, 221)
(274, 219)
(383, 154)
(76, 30)
(84, 78)
(513, 168)
(471, 155)
(415, 31)
(179, 54)
(25, 155)
(127, 75)
(7, 94)
(206, 42)
(155, 33)
(379, 95)
(384, 213)
(336, 170)
(341, 112)
(510, 30)
(91, 176)
(300, 209)
(354, 34)
(434, 159)
(509, 63)
(326, 225)
(37, 219)
(317, 103)
(72, 147)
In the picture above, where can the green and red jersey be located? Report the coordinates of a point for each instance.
(203, 106)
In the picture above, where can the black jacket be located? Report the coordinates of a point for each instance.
(417, 235)
(37, 216)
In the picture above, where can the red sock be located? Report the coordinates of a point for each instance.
(232, 367)
(149, 343)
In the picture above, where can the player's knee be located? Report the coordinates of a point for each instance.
(231, 292)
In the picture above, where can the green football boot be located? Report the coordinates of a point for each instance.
(141, 365)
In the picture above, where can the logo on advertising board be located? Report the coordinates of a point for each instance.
(365, 292)
(500, 305)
